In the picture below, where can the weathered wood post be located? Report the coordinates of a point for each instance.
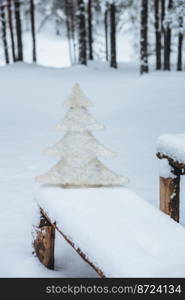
(44, 242)
(170, 190)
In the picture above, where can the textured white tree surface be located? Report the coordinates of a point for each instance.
(79, 150)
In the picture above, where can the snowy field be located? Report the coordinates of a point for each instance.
(135, 111)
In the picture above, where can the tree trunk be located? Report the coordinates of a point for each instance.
(68, 27)
(144, 37)
(113, 59)
(32, 18)
(180, 45)
(18, 31)
(90, 34)
(72, 28)
(157, 35)
(82, 33)
(9, 9)
(4, 34)
(167, 42)
(106, 33)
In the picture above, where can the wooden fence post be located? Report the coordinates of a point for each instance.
(44, 242)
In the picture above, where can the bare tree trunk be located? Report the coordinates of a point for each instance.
(82, 33)
(4, 34)
(167, 42)
(106, 33)
(73, 27)
(68, 27)
(18, 31)
(90, 34)
(157, 35)
(144, 37)
(10, 22)
(180, 45)
(113, 61)
(32, 18)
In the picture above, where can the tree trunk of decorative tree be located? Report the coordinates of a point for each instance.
(90, 32)
(157, 35)
(4, 34)
(18, 31)
(167, 41)
(106, 33)
(113, 59)
(144, 37)
(32, 17)
(180, 45)
(10, 22)
(82, 33)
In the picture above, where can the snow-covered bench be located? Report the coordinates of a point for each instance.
(171, 151)
(115, 231)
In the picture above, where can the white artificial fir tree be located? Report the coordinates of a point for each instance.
(79, 150)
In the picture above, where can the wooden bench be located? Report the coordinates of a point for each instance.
(112, 229)
(171, 147)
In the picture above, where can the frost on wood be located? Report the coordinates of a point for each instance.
(79, 150)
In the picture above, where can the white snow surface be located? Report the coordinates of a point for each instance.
(172, 145)
(135, 109)
(119, 232)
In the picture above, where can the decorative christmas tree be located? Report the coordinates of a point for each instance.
(79, 150)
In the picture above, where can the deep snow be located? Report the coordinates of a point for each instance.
(135, 110)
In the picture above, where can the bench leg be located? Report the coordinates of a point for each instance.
(169, 196)
(44, 242)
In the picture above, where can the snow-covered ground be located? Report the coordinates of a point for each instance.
(135, 110)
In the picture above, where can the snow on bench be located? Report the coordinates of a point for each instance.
(171, 151)
(115, 231)
(172, 145)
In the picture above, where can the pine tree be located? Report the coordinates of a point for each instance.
(113, 59)
(18, 21)
(32, 19)
(4, 33)
(90, 30)
(79, 150)
(144, 37)
(10, 22)
(82, 33)
(157, 34)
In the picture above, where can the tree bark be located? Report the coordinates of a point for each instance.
(68, 29)
(113, 59)
(18, 31)
(10, 22)
(82, 33)
(167, 42)
(180, 45)
(4, 34)
(157, 35)
(106, 33)
(90, 33)
(144, 38)
(32, 19)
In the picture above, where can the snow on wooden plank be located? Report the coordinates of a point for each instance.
(173, 146)
(118, 231)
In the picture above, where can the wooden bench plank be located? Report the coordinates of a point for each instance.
(118, 232)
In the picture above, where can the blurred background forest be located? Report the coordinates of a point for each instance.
(67, 32)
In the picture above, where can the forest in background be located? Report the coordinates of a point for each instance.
(156, 25)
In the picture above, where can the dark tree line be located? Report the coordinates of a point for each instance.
(11, 23)
(80, 24)
(165, 11)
